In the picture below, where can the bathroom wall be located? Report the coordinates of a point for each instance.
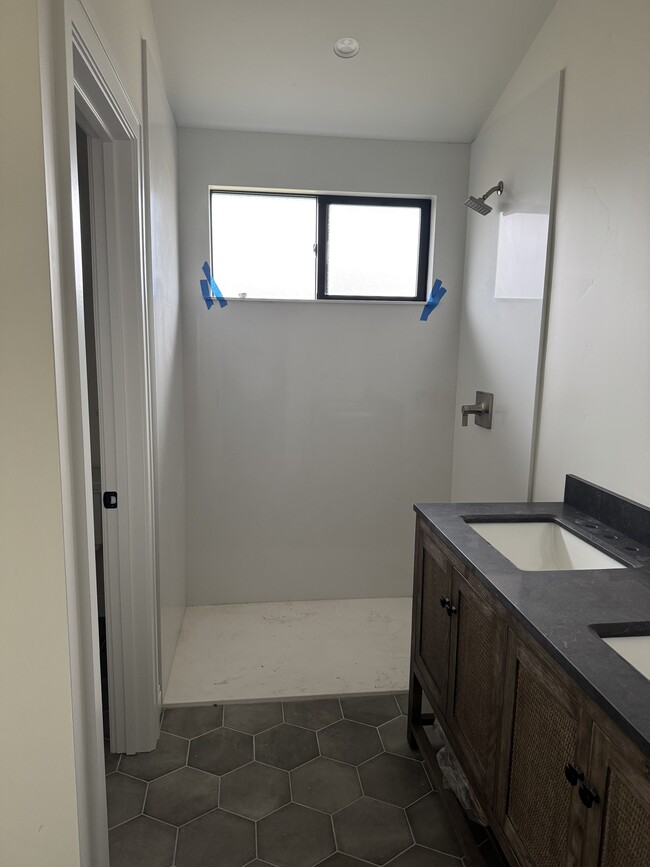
(121, 25)
(311, 428)
(38, 800)
(505, 272)
(595, 419)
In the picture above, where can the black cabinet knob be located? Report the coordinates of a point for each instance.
(444, 601)
(588, 796)
(573, 775)
(451, 609)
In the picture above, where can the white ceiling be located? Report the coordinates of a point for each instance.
(428, 70)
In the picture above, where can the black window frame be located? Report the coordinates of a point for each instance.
(423, 205)
(323, 201)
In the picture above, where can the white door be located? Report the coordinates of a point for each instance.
(505, 298)
(123, 374)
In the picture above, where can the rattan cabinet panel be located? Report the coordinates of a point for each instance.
(476, 675)
(537, 803)
(617, 832)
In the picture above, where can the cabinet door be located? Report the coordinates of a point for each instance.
(617, 832)
(433, 583)
(536, 805)
(478, 645)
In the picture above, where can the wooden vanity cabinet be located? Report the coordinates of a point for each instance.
(569, 794)
(560, 784)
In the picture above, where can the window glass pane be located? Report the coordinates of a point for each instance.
(263, 245)
(373, 250)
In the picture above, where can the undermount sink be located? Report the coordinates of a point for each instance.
(633, 648)
(542, 546)
(629, 640)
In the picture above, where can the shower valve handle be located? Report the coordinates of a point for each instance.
(481, 410)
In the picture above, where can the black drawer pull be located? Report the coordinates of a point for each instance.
(451, 609)
(444, 601)
(573, 775)
(589, 797)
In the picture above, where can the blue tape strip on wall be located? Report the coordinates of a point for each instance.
(437, 292)
(210, 290)
(207, 295)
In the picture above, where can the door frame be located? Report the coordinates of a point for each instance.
(78, 79)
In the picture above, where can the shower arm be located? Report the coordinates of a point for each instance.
(498, 188)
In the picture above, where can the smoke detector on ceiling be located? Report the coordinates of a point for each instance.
(346, 47)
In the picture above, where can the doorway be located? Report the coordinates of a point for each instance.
(114, 372)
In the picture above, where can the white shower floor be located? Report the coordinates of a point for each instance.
(290, 650)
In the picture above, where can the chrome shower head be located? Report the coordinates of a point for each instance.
(480, 205)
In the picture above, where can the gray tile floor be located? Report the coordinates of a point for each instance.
(328, 782)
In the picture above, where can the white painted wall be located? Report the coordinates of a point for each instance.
(38, 800)
(500, 337)
(311, 428)
(121, 25)
(38, 797)
(595, 419)
(168, 363)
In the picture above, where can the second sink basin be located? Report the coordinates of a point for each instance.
(542, 546)
(633, 648)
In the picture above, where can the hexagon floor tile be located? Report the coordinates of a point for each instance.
(190, 722)
(253, 718)
(338, 859)
(255, 790)
(313, 772)
(124, 798)
(182, 796)
(372, 831)
(393, 737)
(221, 751)
(325, 785)
(373, 710)
(394, 779)
(350, 742)
(295, 836)
(403, 702)
(420, 857)
(312, 714)
(170, 754)
(286, 746)
(430, 825)
(216, 840)
(142, 842)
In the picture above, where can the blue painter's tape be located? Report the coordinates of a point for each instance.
(207, 295)
(210, 290)
(437, 293)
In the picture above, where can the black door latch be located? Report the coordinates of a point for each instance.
(110, 499)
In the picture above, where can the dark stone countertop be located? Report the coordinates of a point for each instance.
(559, 608)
